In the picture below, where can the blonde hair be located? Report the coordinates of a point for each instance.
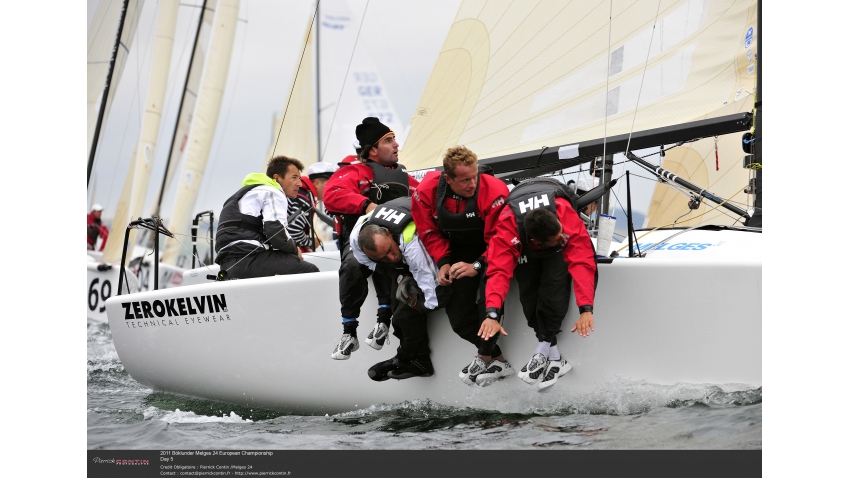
(458, 155)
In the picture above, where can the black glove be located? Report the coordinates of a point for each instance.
(408, 291)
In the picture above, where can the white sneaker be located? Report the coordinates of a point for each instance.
(378, 335)
(554, 369)
(469, 373)
(347, 344)
(495, 370)
(533, 370)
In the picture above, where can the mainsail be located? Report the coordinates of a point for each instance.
(517, 76)
(297, 138)
(204, 122)
(349, 86)
(180, 135)
(101, 41)
(132, 200)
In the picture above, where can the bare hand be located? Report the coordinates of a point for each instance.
(489, 328)
(299, 255)
(462, 269)
(370, 207)
(443, 277)
(584, 324)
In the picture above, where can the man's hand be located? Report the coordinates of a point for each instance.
(462, 269)
(370, 206)
(489, 328)
(584, 324)
(408, 291)
(299, 254)
(444, 277)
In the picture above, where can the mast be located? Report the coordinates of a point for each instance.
(755, 221)
(165, 176)
(106, 91)
(318, 85)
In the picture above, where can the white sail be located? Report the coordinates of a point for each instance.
(204, 122)
(189, 97)
(132, 200)
(347, 99)
(518, 76)
(101, 42)
(297, 137)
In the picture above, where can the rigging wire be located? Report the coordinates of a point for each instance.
(344, 80)
(289, 100)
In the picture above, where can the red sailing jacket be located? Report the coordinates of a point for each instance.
(96, 229)
(491, 197)
(346, 192)
(505, 249)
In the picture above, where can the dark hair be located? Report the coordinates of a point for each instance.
(366, 238)
(363, 155)
(541, 224)
(458, 155)
(279, 164)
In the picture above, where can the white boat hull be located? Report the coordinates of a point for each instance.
(692, 320)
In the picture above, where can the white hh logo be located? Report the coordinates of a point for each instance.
(390, 215)
(470, 214)
(522, 260)
(533, 203)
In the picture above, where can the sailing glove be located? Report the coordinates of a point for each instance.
(408, 291)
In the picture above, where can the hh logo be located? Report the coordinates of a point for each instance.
(533, 203)
(470, 214)
(390, 215)
(522, 260)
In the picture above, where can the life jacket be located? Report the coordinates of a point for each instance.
(394, 215)
(533, 194)
(235, 226)
(388, 184)
(467, 226)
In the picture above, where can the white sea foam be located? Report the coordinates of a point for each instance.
(178, 416)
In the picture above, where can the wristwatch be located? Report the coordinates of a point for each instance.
(493, 313)
(476, 265)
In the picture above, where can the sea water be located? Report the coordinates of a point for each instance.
(124, 414)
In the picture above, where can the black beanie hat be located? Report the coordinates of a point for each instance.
(371, 131)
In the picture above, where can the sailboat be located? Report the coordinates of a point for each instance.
(533, 87)
(205, 113)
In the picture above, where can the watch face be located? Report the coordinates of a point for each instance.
(492, 315)
(476, 265)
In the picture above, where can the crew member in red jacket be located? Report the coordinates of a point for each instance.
(455, 211)
(95, 228)
(539, 224)
(351, 192)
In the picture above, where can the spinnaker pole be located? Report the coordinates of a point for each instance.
(667, 176)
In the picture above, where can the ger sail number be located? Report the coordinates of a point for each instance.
(96, 296)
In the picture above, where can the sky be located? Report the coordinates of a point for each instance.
(403, 39)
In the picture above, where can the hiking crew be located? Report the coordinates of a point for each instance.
(351, 192)
(386, 240)
(251, 239)
(455, 211)
(539, 225)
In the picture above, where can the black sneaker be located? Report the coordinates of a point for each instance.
(413, 368)
(379, 371)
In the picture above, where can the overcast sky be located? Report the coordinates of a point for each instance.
(403, 38)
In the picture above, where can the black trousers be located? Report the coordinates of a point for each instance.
(353, 287)
(265, 264)
(411, 325)
(466, 306)
(544, 292)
